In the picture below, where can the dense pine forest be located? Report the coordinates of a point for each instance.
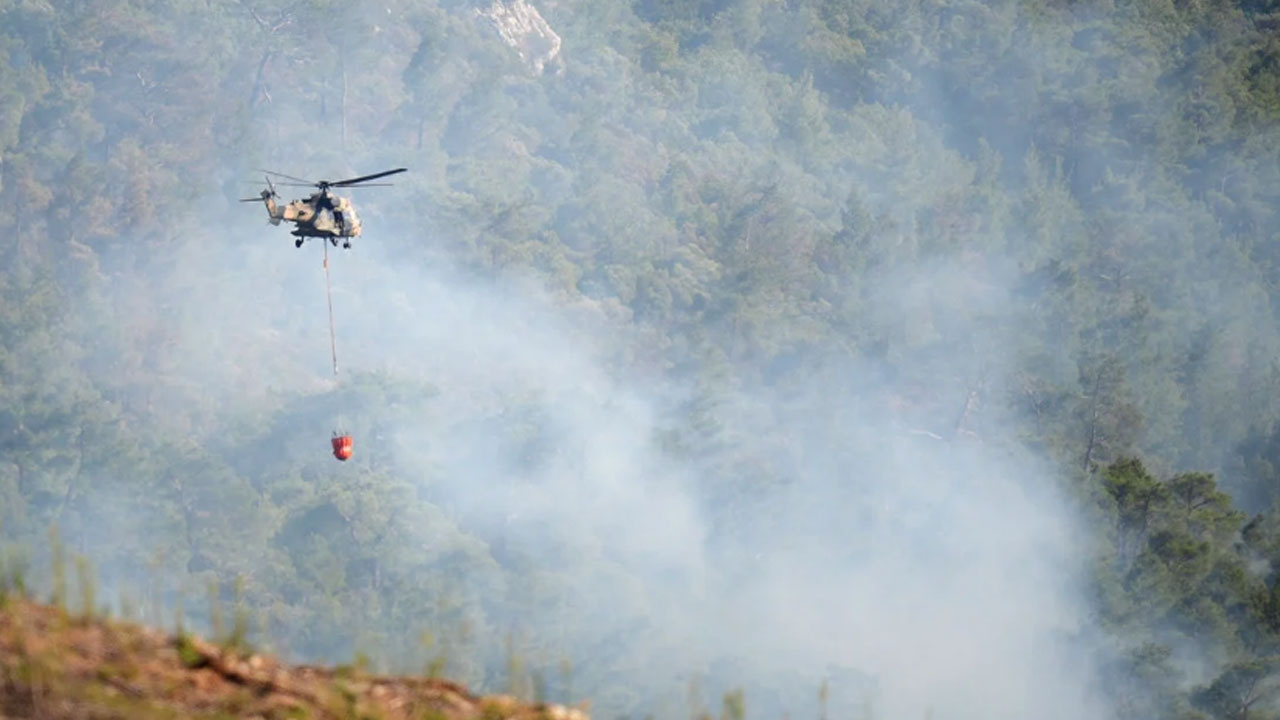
(763, 358)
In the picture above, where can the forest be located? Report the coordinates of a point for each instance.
(752, 358)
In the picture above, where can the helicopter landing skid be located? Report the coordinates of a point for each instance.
(346, 242)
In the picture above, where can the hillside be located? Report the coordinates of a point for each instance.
(860, 357)
(54, 665)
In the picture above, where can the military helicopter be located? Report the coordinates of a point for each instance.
(323, 214)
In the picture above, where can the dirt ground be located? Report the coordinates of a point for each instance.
(54, 665)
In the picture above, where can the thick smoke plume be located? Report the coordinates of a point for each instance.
(939, 573)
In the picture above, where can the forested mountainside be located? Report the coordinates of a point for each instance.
(904, 359)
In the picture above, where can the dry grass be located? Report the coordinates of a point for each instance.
(54, 665)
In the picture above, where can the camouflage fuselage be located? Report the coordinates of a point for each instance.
(324, 214)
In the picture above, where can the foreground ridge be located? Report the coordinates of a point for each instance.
(54, 665)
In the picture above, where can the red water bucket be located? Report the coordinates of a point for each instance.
(343, 447)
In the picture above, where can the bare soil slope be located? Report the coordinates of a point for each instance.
(54, 665)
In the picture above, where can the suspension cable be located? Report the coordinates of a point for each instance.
(333, 341)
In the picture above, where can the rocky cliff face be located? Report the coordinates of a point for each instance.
(521, 26)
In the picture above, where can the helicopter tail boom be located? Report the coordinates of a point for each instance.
(273, 210)
(268, 198)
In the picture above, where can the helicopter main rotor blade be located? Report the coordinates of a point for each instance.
(375, 176)
(279, 174)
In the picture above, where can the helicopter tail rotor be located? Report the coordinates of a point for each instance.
(270, 192)
(268, 198)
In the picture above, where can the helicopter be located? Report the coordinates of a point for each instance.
(324, 214)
